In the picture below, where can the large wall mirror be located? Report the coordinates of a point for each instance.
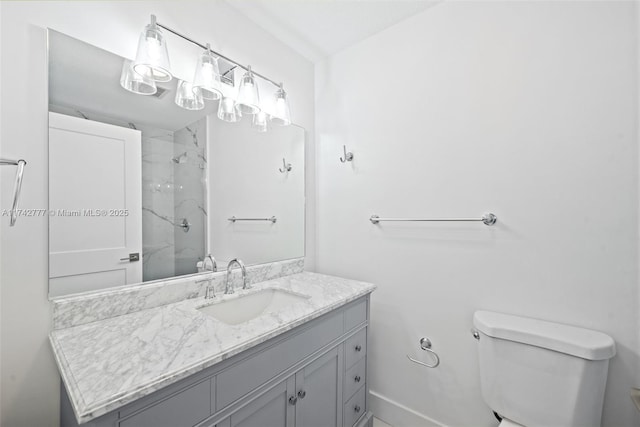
(143, 190)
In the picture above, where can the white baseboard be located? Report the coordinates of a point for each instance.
(396, 414)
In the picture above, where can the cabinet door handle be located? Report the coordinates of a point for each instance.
(357, 378)
(302, 394)
(358, 347)
(293, 400)
(357, 408)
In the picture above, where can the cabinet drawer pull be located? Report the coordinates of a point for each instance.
(357, 378)
(302, 394)
(358, 347)
(357, 408)
(293, 400)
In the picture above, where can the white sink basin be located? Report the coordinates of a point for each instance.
(245, 308)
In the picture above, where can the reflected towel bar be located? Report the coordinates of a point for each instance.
(17, 186)
(487, 219)
(273, 219)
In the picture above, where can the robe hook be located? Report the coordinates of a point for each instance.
(286, 167)
(348, 157)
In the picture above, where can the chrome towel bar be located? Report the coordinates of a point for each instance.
(17, 186)
(9, 162)
(273, 219)
(487, 219)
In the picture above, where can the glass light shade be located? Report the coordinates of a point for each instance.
(134, 82)
(282, 114)
(152, 58)
(248, 101)
(227, 110)
(188, 97)
(207, 76)
(260, 121)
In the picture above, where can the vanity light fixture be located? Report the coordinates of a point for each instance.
(152, 58)
(207, 77)
(134, 82)
(260, 122)
(282, 114)
(248, 101)
(152, 65)
(227, 110)
(188, 97)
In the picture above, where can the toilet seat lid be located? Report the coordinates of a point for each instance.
(579, 342)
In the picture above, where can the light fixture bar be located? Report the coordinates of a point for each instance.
(216, 53)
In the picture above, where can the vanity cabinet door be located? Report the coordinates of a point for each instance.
(272, 409)
(319, 391)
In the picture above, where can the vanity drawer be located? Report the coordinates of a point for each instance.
(355, 377)
(183, 409)
(250, 373)
(355, 348)
(355, 407)
(355, 315)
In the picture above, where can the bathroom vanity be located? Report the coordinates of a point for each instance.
(304, 364)
(136, 341)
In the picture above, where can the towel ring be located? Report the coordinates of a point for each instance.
(425, 344)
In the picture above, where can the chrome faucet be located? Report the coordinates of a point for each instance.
(214, 264)
(229, 286)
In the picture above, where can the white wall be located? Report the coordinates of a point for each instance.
(29, 381)
(525, 109)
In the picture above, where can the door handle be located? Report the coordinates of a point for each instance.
(133, 257)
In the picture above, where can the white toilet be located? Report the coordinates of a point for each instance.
(541, 374)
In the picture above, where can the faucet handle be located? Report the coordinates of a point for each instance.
(210, 292)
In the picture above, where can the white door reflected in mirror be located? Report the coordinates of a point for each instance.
(94, 205)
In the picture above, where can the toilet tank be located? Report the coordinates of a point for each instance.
(540, 373)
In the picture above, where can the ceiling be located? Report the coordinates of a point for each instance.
(319, 28)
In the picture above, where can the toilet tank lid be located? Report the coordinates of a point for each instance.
(580, 342)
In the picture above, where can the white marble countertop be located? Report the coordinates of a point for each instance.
(109, 363)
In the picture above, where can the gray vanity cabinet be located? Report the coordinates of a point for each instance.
(311, 376)
(318, 391)
(270, 409)
(309, 398)
(194, 403)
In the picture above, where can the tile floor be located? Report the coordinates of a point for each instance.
(379, 423)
